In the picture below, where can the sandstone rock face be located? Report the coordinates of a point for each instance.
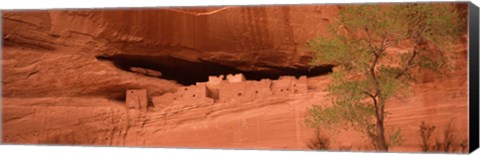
(245, 38)
(65, 76)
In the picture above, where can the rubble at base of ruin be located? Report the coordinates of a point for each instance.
(232, 89)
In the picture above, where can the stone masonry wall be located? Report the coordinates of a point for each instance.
(137, 99)
(232, 89)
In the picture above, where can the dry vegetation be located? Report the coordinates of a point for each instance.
(319, 142)
(450, 141)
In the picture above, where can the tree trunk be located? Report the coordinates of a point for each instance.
(381, 142)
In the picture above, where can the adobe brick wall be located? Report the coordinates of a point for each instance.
(215, 79)
(229, 91)
(164, 100)
(260, 89)
(195, 94)
(281, 86)
(299, 86)
(233, 89)
(137, 99)
(213, 86)
(289, 85)
(195, 91)
(235, 78)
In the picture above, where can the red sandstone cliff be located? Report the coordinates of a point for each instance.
(64, 80)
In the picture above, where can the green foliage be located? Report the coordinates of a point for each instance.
(367, 75)
(395, 138)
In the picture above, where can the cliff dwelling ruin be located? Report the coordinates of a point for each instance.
(235, 77)
(190, 72)
(233, 88)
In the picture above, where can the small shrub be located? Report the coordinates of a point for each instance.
(319, 142)
(437, 147)
(449, 143)
(449, 138)
(425, 133)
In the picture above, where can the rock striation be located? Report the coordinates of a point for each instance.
(67, 74)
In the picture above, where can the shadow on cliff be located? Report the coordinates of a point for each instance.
(188, 72)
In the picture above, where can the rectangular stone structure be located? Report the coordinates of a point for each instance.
(192, 93)
(229, 91)
(215, 79)
(299, 86)
(233, 89)
(282, 86)
(164, 100)
(262, 89)
(137, 99)
(235, 78)
(213, 92)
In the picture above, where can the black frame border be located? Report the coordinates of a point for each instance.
(473, 56)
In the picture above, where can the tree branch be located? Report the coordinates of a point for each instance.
(372, 68)
(383, 45)
(409, 63)
(369, 39)
(375, 104)
(376, 58)
(370, 95)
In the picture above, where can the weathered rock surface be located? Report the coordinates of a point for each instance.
(246, 38)
(65, 74)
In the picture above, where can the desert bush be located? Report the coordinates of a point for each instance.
(425, 133)
(319, 142)
(450, 142)
(449, 139)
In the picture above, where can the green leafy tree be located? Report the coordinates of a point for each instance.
(367, 74)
